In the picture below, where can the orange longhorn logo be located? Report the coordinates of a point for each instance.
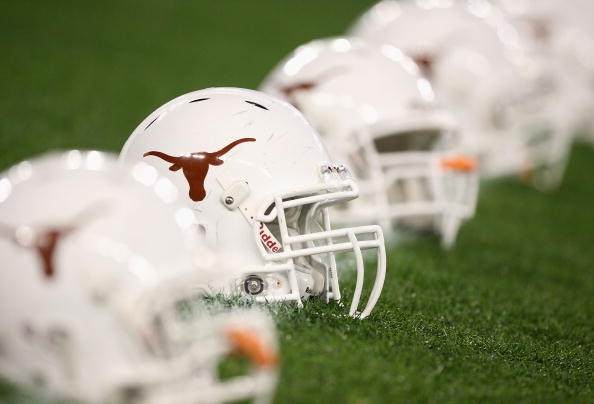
(289, 91)
(195, 165)
(46, 241)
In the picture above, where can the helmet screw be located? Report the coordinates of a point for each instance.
(229, 200)
(253, 285)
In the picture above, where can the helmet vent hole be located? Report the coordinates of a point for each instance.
(269, 209)
(256, 104)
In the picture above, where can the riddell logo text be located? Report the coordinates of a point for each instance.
(268, 239)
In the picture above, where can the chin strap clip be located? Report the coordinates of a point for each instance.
(235, 194)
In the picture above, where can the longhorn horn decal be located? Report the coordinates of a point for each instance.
(170, 159)
(230, 146)
(195, 165)
(290, 90)
(46, 241)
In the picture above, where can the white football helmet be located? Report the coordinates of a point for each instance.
(479, 66)
(375, 111)
(260, 183)
(561, 34)
(96, 260)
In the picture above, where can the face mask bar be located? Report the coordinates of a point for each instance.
(197, 346)
(182, 380)
(450, 187)
(435, 168)
(327, 242)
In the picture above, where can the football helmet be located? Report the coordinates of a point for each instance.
(96, 260)
(260, 182)
(375, 111)
(478, 64)
(562, 36)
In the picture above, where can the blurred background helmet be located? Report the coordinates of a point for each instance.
(479, 65)
(260, 182)
(375, 111)
(96, 260)
(561, 35)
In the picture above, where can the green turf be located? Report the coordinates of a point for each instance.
(506, 316)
